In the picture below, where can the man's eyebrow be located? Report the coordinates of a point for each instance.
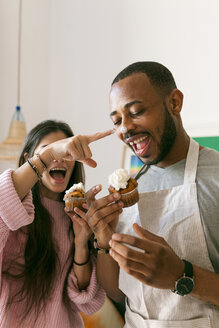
(127, 106)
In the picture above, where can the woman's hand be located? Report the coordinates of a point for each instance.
(102, 215)
(81, 228)
(82, 262)
(75, 148)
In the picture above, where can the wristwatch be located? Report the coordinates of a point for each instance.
(185, 284)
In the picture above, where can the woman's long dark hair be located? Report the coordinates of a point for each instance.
(38, 272)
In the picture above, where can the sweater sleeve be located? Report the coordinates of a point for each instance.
(89, 300)
(14, 214)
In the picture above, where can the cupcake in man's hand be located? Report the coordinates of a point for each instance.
(75, 197)
(120, 181)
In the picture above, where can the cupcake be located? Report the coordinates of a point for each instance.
(75, 197)
(120, 181)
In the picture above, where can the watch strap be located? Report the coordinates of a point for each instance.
(188, 275)
(188, 271)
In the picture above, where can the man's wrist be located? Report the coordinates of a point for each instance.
(185, 284)
(100, 249)
(103, 240)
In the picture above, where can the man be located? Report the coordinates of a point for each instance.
(165, 255)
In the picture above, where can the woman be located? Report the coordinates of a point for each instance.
(47, 275)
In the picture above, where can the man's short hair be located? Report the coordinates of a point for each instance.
(158, 75)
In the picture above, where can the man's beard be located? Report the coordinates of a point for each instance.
(168, 138)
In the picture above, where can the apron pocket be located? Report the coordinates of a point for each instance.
(135, 321)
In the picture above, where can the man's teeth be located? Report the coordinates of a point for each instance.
(138, 140)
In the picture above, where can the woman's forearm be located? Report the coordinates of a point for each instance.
(25, 177)
(82, 267)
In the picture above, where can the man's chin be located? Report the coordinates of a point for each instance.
(149, 161)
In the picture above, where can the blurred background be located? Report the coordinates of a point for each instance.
(71, 50)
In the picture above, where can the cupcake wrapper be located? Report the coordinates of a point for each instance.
(70, 204)
(130, 198)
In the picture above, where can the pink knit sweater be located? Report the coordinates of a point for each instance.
(15, 214)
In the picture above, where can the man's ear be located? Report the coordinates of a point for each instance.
(25, 156)
(176, 101)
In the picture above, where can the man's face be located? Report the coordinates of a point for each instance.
(141, 118)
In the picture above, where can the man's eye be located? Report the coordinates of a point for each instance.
(133, 114)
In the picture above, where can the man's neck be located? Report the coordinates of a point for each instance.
(178, 151)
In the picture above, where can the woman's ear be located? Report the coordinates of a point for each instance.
(25, 156)
(176, 101)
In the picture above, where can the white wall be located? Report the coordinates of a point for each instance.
(74, 49)
(35, 61)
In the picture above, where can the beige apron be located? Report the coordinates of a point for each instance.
(173, 214)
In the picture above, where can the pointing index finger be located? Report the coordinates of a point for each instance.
(99, 135)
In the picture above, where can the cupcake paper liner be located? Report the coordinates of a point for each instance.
(73, 202)
(130, 198)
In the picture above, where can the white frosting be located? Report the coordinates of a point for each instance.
(119, 179)
(75, 187)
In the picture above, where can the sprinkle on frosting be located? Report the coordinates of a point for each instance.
(119, 179)
(76, 186)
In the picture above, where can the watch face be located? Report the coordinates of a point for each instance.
(184, 286)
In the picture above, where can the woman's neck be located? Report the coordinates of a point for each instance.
(50, 194)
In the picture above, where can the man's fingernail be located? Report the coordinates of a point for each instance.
(115, 195)
(115, 236)
(96, 188)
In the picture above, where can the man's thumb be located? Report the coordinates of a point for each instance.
(90, 194)
(145, 234)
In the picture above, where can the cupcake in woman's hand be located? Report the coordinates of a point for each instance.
(120, 181)
(75, 197)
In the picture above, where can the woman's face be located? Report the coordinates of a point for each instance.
(55, 179)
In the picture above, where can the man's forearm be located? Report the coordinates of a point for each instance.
(108, 276)
(206, 286)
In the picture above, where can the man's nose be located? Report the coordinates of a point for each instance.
(123, 129)
(126, 125)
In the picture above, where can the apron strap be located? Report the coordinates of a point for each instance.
(142, 170)
(191, 162)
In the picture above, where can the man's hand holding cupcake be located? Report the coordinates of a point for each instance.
(121, 181)
(102, 215)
